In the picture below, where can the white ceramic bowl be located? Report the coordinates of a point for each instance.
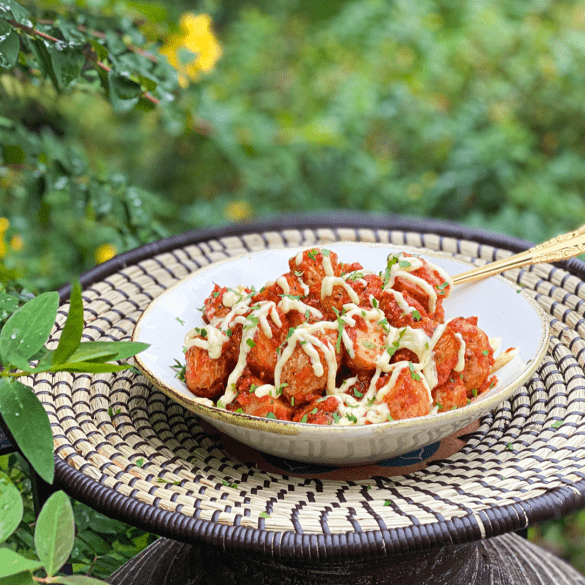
(503, 310)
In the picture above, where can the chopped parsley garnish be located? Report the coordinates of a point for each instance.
(315, 410)
(375, 302)
(312, 254)
(557, 424)
(474, 392)
(299, 273)
(264, 515)
(180, 320)
(229, 332)
(416, 315)
(340, 325)
(291, 330)
(358, 393)
(215, 294)
(404, 264)
(307, 314)
(140, 462)
(304, 419)
(250, 343)
(325, 252)
(389, 417)
(388, 503)
(413, 374)
(252, 388)
(485, 352)
(336, 417)
(240, 411)
(293, 297)
(510, 447)
(270, 415)
(369, 344)
(203, 332)
(292, 400)
(180, 370)
(351, 418)
(439, 406)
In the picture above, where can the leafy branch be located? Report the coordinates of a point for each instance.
(66, 51)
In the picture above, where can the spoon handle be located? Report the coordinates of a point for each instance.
(559, 248)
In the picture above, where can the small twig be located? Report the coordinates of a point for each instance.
(34, 32)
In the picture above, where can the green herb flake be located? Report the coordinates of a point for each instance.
(215, 294)
(250, 343)
(315, 410)
(485, 352)
(404, 264)
(312, 254)
(270, 415)
(358, 393)
(351, 418)
(413, 374)
(474, 392)
(325, 252)
(304, 419)
(388, 503)
(139, 462)
(416, 315)
(510, 447)
(180, 320)
(253, 388)
(557, 424)
(264, 515)
(336, 417)
(389, 417)
(299, 273)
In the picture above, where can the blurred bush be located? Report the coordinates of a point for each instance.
(467, 111)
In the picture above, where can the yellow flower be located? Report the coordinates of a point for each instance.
(194, 50)
(16, 242)
(105, 252)
(4, 224)
(238, 210)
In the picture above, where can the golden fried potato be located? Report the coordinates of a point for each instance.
(206, 377)
(407, 398)
(369, 342)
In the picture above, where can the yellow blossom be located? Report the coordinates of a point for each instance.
(105, 252)
(194, 50)
(238, 210)
(16, 242)
(4, 224)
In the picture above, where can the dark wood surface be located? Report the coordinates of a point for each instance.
(503, 560)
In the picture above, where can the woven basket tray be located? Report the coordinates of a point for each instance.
(129, 451)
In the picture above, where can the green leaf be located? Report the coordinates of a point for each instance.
(12, 153)
(55, 532)
(80, 580)
(9, 45)
(10, 8)
(67, 59)
(40, 48)
(90, 351)
(12, 563)
(124, 93)
(11, 508)
(25, 578)
(28, 328)
(22, 412)
(88, 367)
(8, 304)
(71, 334)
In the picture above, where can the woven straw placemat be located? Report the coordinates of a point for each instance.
(128, 450)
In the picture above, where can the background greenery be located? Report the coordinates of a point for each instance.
(471, 111)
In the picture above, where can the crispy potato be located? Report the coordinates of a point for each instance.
(206, 377)
(369, 341)
(449, 395)
(407, 398)
(298, 374)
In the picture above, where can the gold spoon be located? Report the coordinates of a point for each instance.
(559, 248)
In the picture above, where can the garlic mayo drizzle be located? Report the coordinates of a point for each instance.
(370, 407)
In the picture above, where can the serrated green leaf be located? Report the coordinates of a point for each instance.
(22, 412)
(55, 532)
(80, 580)
(67, 59)
(11, 507)
(28, 328)
(124, 93)
(11, 563)
(90, 351)
(71, 334)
